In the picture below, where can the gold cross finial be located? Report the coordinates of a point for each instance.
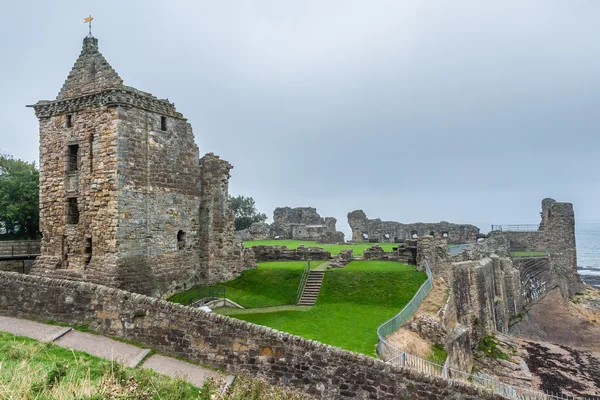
(89, 21)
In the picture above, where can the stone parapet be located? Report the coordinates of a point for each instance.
(222, 342)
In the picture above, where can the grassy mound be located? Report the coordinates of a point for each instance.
(271, 284)
(358, 248)
(353, 302)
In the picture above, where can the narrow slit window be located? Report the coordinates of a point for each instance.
(163, 123)
(88, 250)
(72, 211)
(69, 121)
(180, 240)
(72, 165)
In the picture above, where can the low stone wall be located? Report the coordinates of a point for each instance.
(282, 253)
(221, 342)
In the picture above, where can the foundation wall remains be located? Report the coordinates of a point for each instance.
(282, 253)
(365, 230)
(221, 342)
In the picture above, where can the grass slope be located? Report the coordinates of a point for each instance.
(30, 369)
(271, 284)
(358, 248)
(353, 302)
(34, 370)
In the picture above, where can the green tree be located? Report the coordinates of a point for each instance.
(244, 209)
(19, 201)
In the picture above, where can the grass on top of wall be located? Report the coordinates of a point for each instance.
(271, 284)
(30, 369)
(353, 302)
(358, 248)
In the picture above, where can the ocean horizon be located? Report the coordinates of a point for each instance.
(587, 235)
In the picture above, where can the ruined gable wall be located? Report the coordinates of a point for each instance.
(94, 185)
(377, 230)
(159, 188)
(236, 346)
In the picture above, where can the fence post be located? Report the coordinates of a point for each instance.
(404, 360)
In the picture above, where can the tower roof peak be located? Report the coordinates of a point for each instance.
(91, 73)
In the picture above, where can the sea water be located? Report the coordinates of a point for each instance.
(587, 236)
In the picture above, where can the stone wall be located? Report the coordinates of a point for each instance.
(22, 266)
(365, 230)
(404, 253)
(221, 342)
(304, 223)
(282, 253)
(256, 231)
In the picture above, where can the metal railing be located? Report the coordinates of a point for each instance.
(390, 326)
(303, 282)
(516, 228)
(456, 249)
(208, 293)
(20, 249)
(522, 252)
(397, 356)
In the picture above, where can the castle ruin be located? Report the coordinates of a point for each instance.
(300, 223)
(376, 230)
(125, 200)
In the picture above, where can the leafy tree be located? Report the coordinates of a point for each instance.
(19, 191)
(244, 209)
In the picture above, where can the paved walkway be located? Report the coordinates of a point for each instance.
(238, 311)
(322, 267)
(110, 349)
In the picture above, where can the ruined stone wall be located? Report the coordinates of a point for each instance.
(304, 223)
(365, 230)
(556, 234)
(256, 231)
(221, 254)
(282, 253)
(22, 266)
(221, 342)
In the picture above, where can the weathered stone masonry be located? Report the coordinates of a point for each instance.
(376, 230)
(219, 341)
(122, 188)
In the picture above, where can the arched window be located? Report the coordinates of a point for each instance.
(414, 234)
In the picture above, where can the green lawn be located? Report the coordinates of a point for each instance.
(357, 248)
(528, 254)
(353, 302)
(30, 369)
(271, 284)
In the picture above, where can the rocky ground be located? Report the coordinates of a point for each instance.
(543, 366)
(560, 341)
(574, 323)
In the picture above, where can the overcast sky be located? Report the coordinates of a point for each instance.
(466, 111)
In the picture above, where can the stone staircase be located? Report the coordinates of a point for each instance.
(312, 288)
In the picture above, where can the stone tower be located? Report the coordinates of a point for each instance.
(121, 188)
